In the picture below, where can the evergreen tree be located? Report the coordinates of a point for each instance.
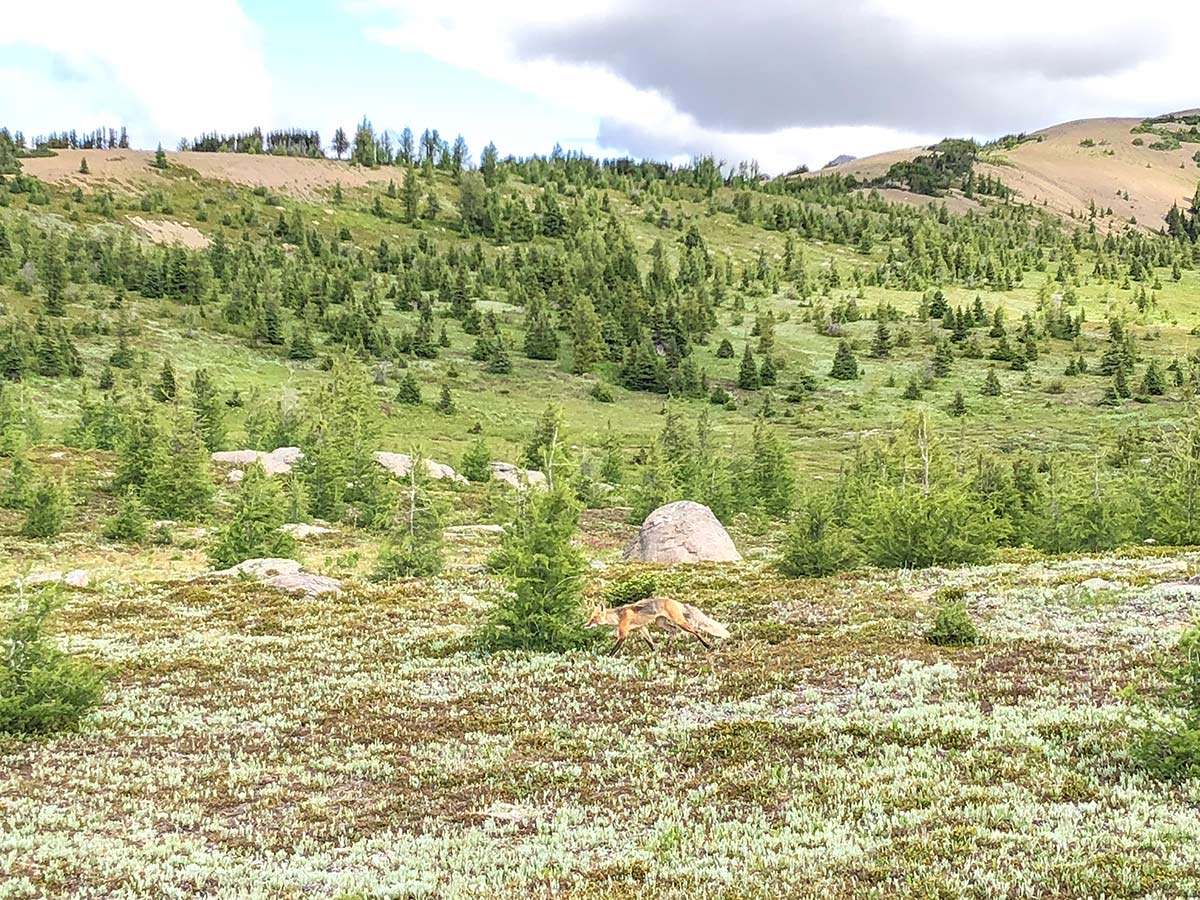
(748, 379)
(178, 481)
(587, 338)
(958, 406)
(252, 528)
(845, 366)
(341, 143)
(881, 346)
(129, 524)
(54, 274)
(339, 438)
(209, 410)
(445, 404)
(408, 391)
(725, 350)
(45, 510)
(544, 442)
(1154, 384)
(1120, 386)
(816, 544)
(488, 165)
(476, 462)
(301, 346)
(498, 361)
(766, 372)
(541, 340)
(160, 158)
(411, 195)
(943, 359)
(19, 486)
(165, 389)
(541, 612)
(417, 550)
(768, 479)
(991, 384)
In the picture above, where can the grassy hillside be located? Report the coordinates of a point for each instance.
(263, 189)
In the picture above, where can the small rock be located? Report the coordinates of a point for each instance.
(57, 454)
(1190, 587)
(305, 583)
(303, 530)
(516, 477)
(281, 460)
(507, 812)
(235, 476)
(241, 458)
(277, 462)
(264, 567)
(76, 578)
(398, 464)
(42, 578)
(471, 530)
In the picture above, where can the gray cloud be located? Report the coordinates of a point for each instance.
(775, 64)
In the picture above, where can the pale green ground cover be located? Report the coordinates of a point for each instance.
(255, 745)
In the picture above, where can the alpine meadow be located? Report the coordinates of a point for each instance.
(337, 468)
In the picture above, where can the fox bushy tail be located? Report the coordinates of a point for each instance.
(703, 623)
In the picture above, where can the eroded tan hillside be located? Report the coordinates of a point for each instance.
(1068, 166)
(296, 176)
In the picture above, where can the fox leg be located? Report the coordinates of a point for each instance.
(622, 635)
(645, 633)
(682, 624)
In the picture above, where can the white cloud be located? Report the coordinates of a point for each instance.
(165, 69)
(788, 82)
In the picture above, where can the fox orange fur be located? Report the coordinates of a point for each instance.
(665, 613)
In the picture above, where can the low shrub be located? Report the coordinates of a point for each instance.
(129, 524)
(815, 545)
(1167, 743)
(45, 510)
(952, 627)
(409, 557)
(631, 589)
(42, 688)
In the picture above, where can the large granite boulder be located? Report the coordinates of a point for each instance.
(682, 532)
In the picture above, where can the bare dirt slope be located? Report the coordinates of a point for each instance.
(1059, 171)
(132, 170)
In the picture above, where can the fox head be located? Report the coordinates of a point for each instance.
(600, 616)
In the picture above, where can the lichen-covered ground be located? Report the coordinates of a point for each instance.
(255, 745)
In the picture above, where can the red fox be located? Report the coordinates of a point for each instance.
(668, 614)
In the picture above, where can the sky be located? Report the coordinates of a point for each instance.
(783, 82)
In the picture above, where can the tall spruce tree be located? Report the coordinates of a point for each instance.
(209, 409)
(586, 336)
